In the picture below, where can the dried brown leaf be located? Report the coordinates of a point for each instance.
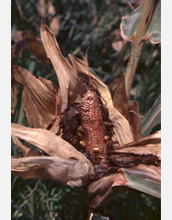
(102, 191)
(148, 145)
(40, 102)
(135, 120)
(129, 110)
(71, 87)
(67, 171)
(120, 100)
(34, 171)
(142, 177)
(48, 142)
(81, 67)
(121, 126)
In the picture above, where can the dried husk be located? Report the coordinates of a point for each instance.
(41, 103)
(70, 172)
(48, 142)
(148, 145)
(144, 178)
(71, 87)
(64, 164)
(121, 126)
(129, 110)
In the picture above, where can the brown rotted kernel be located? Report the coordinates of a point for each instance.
(93, 126)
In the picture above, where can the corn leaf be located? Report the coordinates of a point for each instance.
(144, 178)
(48, 142)
(71, 87)
(41, 103)
(67, 171)
(151, 118)
(129, 110)
(130, 24)
(148, 145)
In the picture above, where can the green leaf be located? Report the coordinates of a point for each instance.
(130, 24)
(154, 29)
(151, 118)
(145, 179)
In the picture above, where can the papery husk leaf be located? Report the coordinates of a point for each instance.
(100, 192)
(148, 145)
(129, 110)
(121, 125)
(71, 87)
(82, 69)
(48, 142)
(151, 118)
(120, 100)
(25, 150)
(32, 171)
(70, 172)
(41, 103)
(135, 120)
(143, 178)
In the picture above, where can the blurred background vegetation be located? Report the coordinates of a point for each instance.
(79, 25)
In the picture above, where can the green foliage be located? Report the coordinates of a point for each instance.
(134, 205)
(46, 199)
(148, 85)
(83, 24)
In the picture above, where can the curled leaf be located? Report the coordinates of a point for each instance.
(144, 178)
(71, 87)
(40, 102)
(48, 142)
(148, 145)
(67, 171)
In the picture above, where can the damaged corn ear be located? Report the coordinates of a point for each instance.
(92, 124)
